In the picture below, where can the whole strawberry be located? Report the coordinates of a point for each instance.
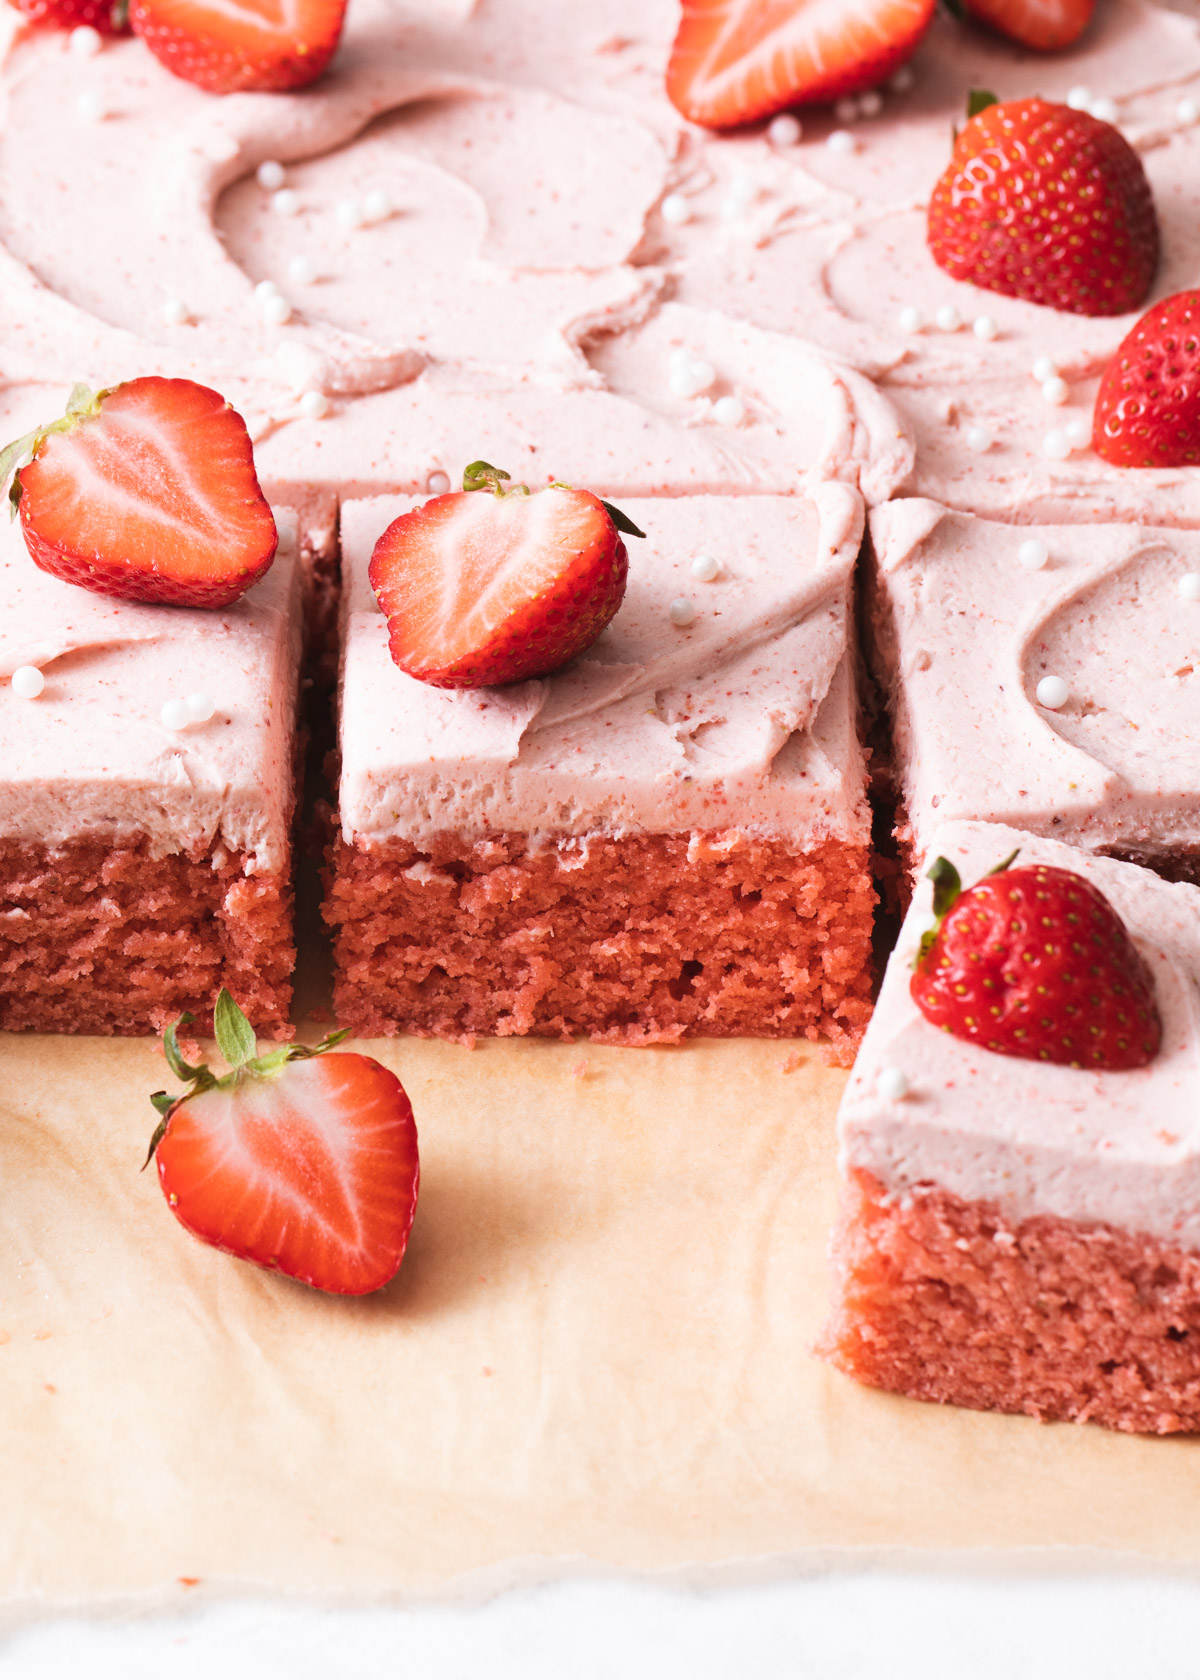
(299, 1160)
(488, 585)
(1035, 962)
(1044, 25)
(146, 492)
(241, 48)
(109, 17)
(1047, 204)
(1148, 406)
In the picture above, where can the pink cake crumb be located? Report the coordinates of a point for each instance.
(942, 1299)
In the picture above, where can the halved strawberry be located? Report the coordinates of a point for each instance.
(110, 17)
(1044, 25)
(736, 60)
(488, 585)
(1048, 204)
(301, 1161)
(146, 492)
(241, 46)
(1148, 406)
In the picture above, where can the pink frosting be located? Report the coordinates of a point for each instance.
(1123, 1148)
(744, 720)
(967, 634)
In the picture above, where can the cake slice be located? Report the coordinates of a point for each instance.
(146, 799)
(1044, 677)
(1018, 1236)
(669, 836)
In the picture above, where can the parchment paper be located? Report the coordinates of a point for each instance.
(596, 1351)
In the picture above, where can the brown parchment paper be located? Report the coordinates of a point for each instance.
(596, 1352)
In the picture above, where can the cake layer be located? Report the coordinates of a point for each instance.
(744, 718)
(963, 635)
(1029, 1138)
(643, 939)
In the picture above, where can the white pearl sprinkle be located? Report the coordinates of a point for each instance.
(276, 311)
(286, 202)
(979, 439)
(1187, 112)
(870, 103)
(847, 110)
(314, 405)
(349, 213)
(1055, 390)
(680, 357)
(175, 312)
(948, 318)
(984, 327)
(1033, 554)
(302, 270)
(175, 714)
(910, 319)
(903, 79)
(691, 378)
(200, 706)
(377, 206)
(891, 1083)
(270, 175)
(1080, 97)
(1078, 432)
(842, 142)
(264, 290)
(1104, 110)
(437, 483)
(785, 130)
(1053, 693)
(705, 568)
(1044, 368)
(682, 612)
(287, 535)
(27, 682)
(86, 41)
(729, 411)
(1055, 445)
(1189, 586)
(675, 209)
(90, 107)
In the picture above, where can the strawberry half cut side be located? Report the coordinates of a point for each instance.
(300, 1160)
(241, 46)
(109, 17)
(1148, 406)
(1036, 963)
(489, 585)
(735, 61)
(146, 492)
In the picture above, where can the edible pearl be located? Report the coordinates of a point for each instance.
(1055, 445)
(979, 439)
(200, 706)
(377, 206)
(1080, 97)
(276, 310)
(846, 110)
(1186, 112)
(891, 1083)
(264, 290)
(729, 411)
(675, 209)
(270, 175)
(1044, 368)
(286, 203)
(1033, 554)
(175, 312)
(1053, 693)
(1104, 110)
(870, 104)
(27, 682)
(1189, 587)
(350, 214)
(175, 714)
(985, 328)
(785, 130)
(842, 142)
(86, 41)
(692, 378)
(437, 483)
(948, 318)
(1055, 390)
(682, 612)
(302, 270)
(1078, 433)
(705, 568)
(902, 80)
(90, 107)
(314, 405)
(910, 319)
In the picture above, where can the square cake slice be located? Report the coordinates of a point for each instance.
(1046, 677)
(1019, 1236)
(669, 836)
(143, 866)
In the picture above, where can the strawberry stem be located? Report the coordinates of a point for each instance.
(481, 475)
(621, 520)
(234, 1034)
(947, 890)
(978, 100)
(82, 404)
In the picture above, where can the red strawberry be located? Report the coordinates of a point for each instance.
(1148, 405)
(491, 586)
(146, 492)
(110, 17)
(241, 46)
(1035, 962)
(1047, 204)
(1044, 25)
(299, 1160)
(737, 60)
